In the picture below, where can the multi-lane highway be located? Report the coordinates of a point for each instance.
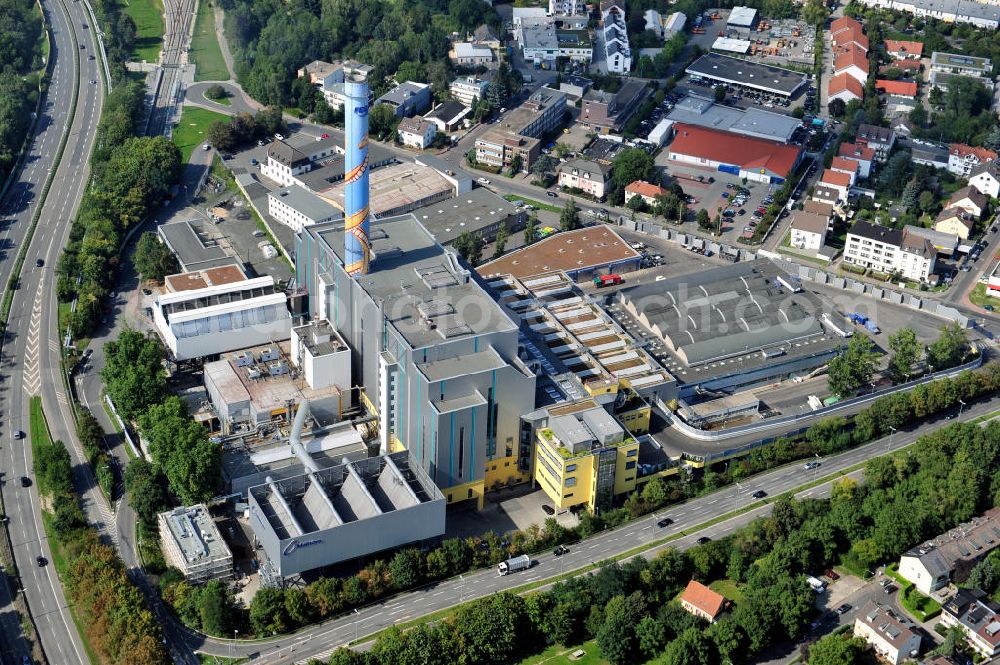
(29, 365)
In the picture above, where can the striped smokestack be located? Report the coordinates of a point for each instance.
(357, 246)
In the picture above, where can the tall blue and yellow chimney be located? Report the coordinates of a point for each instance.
(357, 246)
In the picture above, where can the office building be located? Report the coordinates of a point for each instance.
(478, 211)
(607, 112)
(284, 161)
(542, 113)
(193, 545)
(501, 149)
(407, 99)
(196, 245)
(964, 65)
(296, 207)
(890, 251)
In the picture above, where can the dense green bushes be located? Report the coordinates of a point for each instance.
(20, 32)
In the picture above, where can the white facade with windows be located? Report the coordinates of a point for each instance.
(215, 319)
(296, 207)
(890, 251)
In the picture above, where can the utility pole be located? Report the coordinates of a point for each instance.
(888, 444)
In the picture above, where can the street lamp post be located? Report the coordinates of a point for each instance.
(961, 407)
(356, 622)
(888, 443)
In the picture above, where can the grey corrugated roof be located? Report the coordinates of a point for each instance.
(307, 203)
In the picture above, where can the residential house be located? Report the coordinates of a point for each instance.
(485, 36)
(955, 220)
(965, 65)
(861, 154)
(829, 195)
(448, 116)
(607, 112)
(944, 242)
(845, 87)
(330, 78)
(903, 50)
(951, 556)
(929, 154)
(981, 14)
(467, 54)
(585, 175)
(845, 165)
(617, 53)
(978, 617)
(853, 61)
(845, 31)
(644, 190)
(702, 602)
(963, 158)
(467, 89)
(969, 199)
(904, 89)
(890, 251)
(879, 139)
(986, 178)
(901, 125)
(416, 132)
(407, 99)
(837, 180)
(891, 636)
(808, 230)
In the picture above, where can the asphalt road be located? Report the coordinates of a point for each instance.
(317, 641)
(27, 363)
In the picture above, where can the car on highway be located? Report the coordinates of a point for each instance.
(703, 540)
(844, 609)
(559, 551)
(548, 510)
(17, 434)
(759, 494)
(90, 57)
(324, 135)
(809, 466)
(25, 481)
(552, 194)
(41, 561)
(665, 522)
(39, 263)
(83, 46)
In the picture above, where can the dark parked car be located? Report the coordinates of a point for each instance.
(829, 572)
(703, 540)
(665, 522)
(548, 510)
(844, 609)
(890, 588)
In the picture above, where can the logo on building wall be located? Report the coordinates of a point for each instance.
(361, 110)
(296, 544)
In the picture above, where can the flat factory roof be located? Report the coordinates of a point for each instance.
(471, 211)
(569, 251)
(753, 122)
(749, 74)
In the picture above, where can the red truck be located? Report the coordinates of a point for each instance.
(608, 280)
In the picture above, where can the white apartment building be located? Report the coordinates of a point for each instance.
(980, 14)
(890, 251)
(891, 637)
(617, 53)
(972, 612)
(962, 159)
(468, 88)
(589, 177)
(986, 178)
(808, 230)
(296, 208)
(284, 161)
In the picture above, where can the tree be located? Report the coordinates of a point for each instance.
(406, 568)
(692, 647)
(720, 94)
(835, 649)
(569, 218)
(146, 492)
(501, 241)
(636, 203)
(382, 121)
(267, 612)
(630, 165)
(949, 349)
(470, 247)
(181, 450)
(703, 220)
(837, 107)
(854, 367)
(531, 230)
(153, 259)
(927, 201)
(561, 149)
(133, 372)
(544, 164)
(492, 630)
(617, 637)
(270, 121)
(216, 92)
(216, 608)
(905, 350)
(992, 141)
(515, 165)
(815, 12)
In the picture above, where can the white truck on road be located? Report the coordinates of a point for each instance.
(514, 564)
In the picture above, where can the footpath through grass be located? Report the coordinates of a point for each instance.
(149, 28)
(205, 52)
(190, 133)
(560, 655)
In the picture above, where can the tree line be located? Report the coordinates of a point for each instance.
(20, 53)
(630, 609)
(111, 611)
(274, 611)
(130, 175)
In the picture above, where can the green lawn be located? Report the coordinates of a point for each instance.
(39, 429)
(559, 655)
(914, 602)
(728, 588)
(205, 659)
(190, 132)
(225, 101)
(205, 52)
(532, 202)
(148, 17)
(978, 296)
